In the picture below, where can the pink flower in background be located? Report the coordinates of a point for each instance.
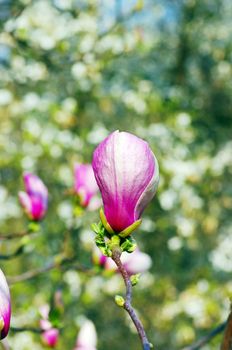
(5, 306)
(98, 257)
(50, 335)
(85, 186)
(87, 337)
(127, 174)
(136, 262)
(35, 199)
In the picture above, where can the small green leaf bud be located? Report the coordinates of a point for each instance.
(119, 300)
(135, 279)
(105, 250)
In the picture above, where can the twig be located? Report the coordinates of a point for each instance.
(26, 329)
(57, 261)
(206, 339)
(227, 339)
(31, 273)
(116, 253)
(18, 251)
(14, 235)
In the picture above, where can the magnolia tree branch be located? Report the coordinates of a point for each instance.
(26, 329)
(116, 254)
(58, 261)
(18, 252)
(206, 339)
(13, 235)
(227, 339)
(32, 273)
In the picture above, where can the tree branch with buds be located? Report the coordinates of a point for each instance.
(17, 252)
(116, 254)
(11, 236)
(58, 261)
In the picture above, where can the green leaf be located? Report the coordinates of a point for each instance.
(129, 245)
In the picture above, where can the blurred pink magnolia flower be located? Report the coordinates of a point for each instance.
(87, 337)
(50, 335)
(127, 174)
(85, 186)
(35, 199)
(136, 262)
(5, 306)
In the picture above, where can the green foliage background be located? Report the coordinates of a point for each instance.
(73, 71)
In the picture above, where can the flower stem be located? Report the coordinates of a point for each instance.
(116, 254)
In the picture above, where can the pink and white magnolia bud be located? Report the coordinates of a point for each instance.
(127, 175)
(5, 306)
(86, 186)
(87, 337)
(50, 337)
(35, 199)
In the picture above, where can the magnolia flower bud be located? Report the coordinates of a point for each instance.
(50, 334)
(5, 306)
(127, 174)
(85, 186)
(35, 199)
(87, 337)
(50, 337)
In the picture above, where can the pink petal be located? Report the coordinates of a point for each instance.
(50, 337)
(25, 201)
(5, 306)
(85, 184)
(35, 187)
(38, 209)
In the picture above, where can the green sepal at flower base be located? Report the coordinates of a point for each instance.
(128, 245)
